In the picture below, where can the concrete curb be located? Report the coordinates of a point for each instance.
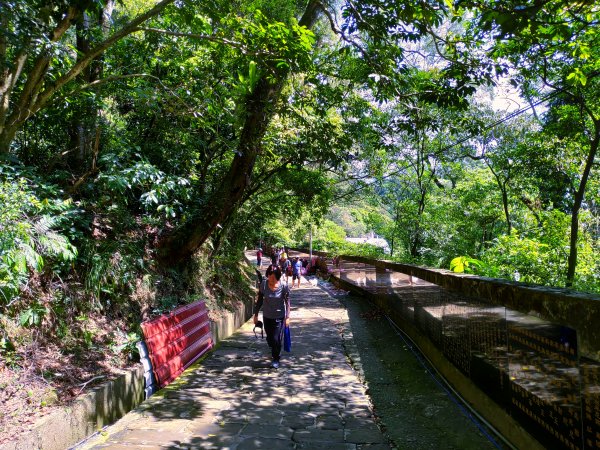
(109, 402)
(68, 425)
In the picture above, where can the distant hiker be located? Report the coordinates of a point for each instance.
(259, 257)
(274, 298)
(296, 268)
(287, 270)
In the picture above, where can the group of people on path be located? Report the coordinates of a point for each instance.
(291, 268)
(274, 298)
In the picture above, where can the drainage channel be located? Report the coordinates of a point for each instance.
(412, 402)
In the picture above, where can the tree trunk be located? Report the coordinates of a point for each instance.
(395, 231)
(505, 206)
(220, 237)
(260, 108)
(504, 191)
(83, 129)
(7, 135)
(416, 241)
(78, 129)
(577, 201)
(532, 209)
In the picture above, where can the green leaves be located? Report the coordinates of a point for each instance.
(277, 45)
(465, 264)
(249, 82)
(33, 231)
(577, 77)
(125, 344)
(159, 192)
(253, 74)
(33, 316)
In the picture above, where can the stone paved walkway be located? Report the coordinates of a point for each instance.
(234, 400)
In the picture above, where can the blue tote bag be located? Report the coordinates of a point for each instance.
(287, 339)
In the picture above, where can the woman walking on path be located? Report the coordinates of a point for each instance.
(274, 298)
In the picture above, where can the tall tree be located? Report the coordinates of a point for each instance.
(374, 56)
(259, 106)
(36, 62)
(552, 47)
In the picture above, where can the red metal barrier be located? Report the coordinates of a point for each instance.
(176, 340)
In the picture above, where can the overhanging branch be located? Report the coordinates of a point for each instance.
(207, 37)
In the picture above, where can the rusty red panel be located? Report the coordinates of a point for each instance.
(176, 340)
(167, 321)
(177, 331)
(173, 368)
(178, 345)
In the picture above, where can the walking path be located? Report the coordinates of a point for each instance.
(235, 400)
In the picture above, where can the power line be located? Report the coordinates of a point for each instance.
(491, 126)
(504, 119)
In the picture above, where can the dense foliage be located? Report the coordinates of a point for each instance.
(145, 142)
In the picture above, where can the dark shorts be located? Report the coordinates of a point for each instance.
(295, 275)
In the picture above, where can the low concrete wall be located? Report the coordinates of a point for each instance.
(109, 402)
(578, 310)
(225, 326)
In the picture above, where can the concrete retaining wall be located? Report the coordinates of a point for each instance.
(559, 307)
(578, 310)
(109, 402)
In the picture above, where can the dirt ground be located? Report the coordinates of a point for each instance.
(45, 376)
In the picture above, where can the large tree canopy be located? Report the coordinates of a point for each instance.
(157, 127)
(552, 47)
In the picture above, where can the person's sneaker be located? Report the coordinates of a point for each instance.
(275, 364)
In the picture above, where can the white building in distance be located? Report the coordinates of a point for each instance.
(373, 240)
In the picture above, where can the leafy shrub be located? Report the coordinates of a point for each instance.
(33, 231)
(159, 193)
(111, 268)
(33, 315)
(540, 254)
(464, 264)
(125, 344)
